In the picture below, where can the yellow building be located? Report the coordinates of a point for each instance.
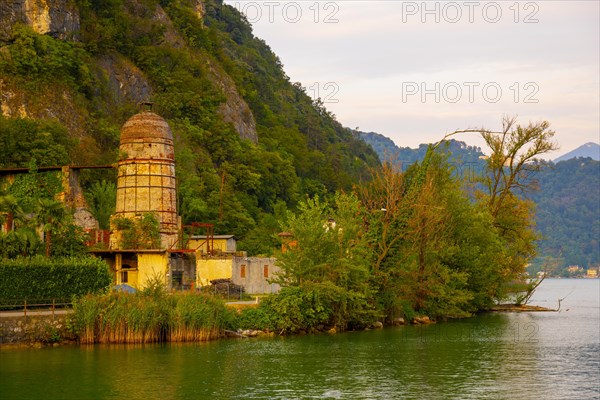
(218, 243)
(138, 268)
(211, 268)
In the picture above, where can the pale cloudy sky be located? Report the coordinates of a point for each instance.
(414, 71)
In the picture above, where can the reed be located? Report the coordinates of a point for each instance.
(147, 318)
(86, 310)
(197, 317)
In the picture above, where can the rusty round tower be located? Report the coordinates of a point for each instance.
(146, 175)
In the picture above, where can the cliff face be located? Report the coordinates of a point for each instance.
(125, 82)
(57, 18)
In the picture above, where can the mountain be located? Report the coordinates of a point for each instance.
(568, 214)
(591, 150)
(460, 152)
(248, 142)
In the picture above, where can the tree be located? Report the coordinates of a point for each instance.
(20, 238)
(9, 209)
(514, 160)
(510, 170)
(101, 199)
(383, 197)
(52, 216)
(330, 255)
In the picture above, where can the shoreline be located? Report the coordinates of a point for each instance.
(520, 308)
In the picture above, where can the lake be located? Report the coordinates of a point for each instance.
(541, 356)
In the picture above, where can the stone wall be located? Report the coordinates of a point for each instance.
(43, 329)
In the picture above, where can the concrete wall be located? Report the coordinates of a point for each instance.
(208, 269)
(254, 274)
(182, 271)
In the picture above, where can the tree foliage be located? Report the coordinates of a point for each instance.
(138, 233)
(434, 248)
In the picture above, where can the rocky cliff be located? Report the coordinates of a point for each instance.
(57, 18)
(125, 82)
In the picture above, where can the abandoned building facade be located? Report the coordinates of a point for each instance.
(146, 184)
(180, 256)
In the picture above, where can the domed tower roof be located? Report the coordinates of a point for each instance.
(146, 126)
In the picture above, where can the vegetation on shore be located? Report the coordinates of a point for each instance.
(400, 244)
(152, 315)
(420, 242)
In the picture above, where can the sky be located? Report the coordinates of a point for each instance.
(414, 71)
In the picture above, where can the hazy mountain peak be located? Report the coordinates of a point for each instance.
(589, 149)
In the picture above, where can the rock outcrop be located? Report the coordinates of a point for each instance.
(60, 19)
(126, 82)
(57, 18)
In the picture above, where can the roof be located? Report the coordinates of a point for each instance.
(116, 251)
(214, 237)
(146, 125)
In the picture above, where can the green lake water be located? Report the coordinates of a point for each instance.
(537, 356)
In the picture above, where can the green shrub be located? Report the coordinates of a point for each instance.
(59, 278)
(309, 307)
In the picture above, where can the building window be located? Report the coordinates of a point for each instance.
(243, 271)
(124, 276)
(177, 279)
(266, 271)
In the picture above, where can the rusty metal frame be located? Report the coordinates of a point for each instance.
(193, 227)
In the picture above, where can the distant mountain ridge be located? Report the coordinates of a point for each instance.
(590, 149)
(386, 149)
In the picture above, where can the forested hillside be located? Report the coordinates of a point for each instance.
(249, 143)
(460, 152)
(568, 214)
(567, 206)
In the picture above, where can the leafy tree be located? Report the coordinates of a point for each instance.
(514, 159)
(138, 233)
(52, 217)
(101, 199)
(23, 139)
(20, 238)
(330, 249)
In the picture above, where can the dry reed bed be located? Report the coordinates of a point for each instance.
(149, 317)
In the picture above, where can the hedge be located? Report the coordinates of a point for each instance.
(57, 278)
